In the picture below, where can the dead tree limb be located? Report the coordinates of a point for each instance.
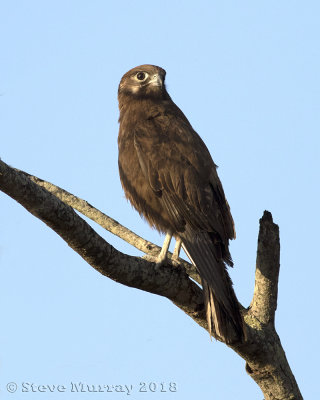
(265, 358)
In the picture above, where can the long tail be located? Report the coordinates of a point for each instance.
(223, 314)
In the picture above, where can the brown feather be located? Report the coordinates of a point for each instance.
(168, 175)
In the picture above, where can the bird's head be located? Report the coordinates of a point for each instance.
(145, 81)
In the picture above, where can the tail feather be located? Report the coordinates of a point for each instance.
(222, 308)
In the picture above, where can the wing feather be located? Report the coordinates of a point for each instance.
(177, 163)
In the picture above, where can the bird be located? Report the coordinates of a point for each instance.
(169, 177)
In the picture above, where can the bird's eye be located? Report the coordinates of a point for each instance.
(141, 76)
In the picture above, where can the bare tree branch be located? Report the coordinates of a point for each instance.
(136, 272)
(264, 302)
(266, 361)
(265, 358)
(109, 223)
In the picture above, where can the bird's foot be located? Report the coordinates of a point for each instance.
(156, 260)
(161, 260)
(175, 261)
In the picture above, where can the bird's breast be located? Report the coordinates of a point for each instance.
(135, 184)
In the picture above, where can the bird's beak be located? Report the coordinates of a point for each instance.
(156, 80)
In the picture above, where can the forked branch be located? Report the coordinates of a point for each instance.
(265, 358)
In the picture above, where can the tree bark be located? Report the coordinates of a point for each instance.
(265, 358)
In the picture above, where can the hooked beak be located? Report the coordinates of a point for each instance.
(156, 80)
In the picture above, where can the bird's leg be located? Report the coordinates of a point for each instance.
(176, 251)
(163, 253)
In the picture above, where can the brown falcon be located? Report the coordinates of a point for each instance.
(169, 177)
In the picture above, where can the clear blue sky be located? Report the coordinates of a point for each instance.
(246, 74)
